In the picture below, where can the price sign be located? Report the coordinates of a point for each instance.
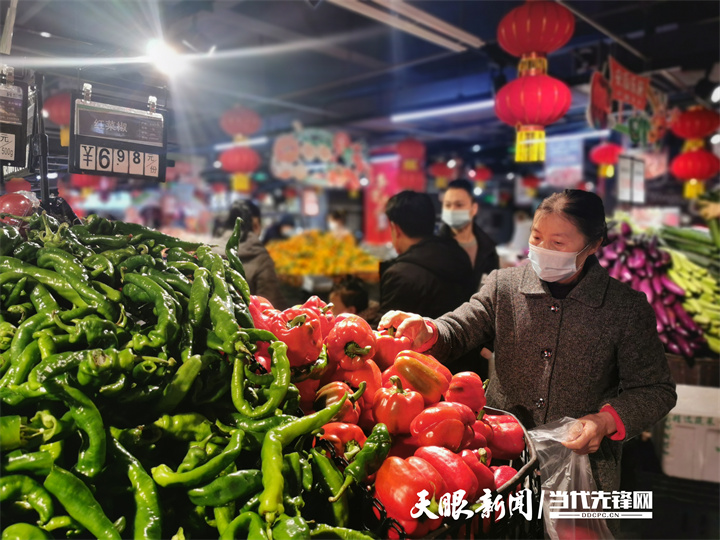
(13, 125)
(110, 140)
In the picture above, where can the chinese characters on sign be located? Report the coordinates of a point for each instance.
(628, 87)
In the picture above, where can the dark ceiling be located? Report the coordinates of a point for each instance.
(324, 65)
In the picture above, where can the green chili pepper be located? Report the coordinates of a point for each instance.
(115, 387)
(180, 384)
(141, 233)
(331, 481)
(20, 487)
(22, 364)
(63, 522)
(276, 439)
(158, 278)
(100, 267)
(42, 299)
(33, 462)
(223, 516)
(80, 503)
(23, 311)
(17, 291)
(246, 521)
(255, 429)
(199, 297)
(7, 333)
(103, 241)
(24, 531)
(290, 528)
(60, 363)
(97, 368)
(176, 254)
(27, 251)
(278, 388)
(13, 432)
(167, 325)
(50, 279)
(185, 427)
(116, 256)
(240, 485)
(196, 455)
(103, 288)
(9, 238)
(96, 332)
(231, 248)
(322, 530)
(148, 521)
(369, 459)
(135, 262)
(165, 476)
(307, 473)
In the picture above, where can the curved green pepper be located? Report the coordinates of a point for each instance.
(18, 486)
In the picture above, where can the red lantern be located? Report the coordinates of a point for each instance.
(481, 174)
(531, 182)
(240, 159)
(58, 109)
(240, 121)
(84, 181)
(696, 123)
(533, 30)
(411, 149)
(530, 103)
(693, 168)
(605, 153)
(412, 156)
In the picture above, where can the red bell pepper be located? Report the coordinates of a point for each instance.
(308, 388)
(403, 446)
(456, 473)
(467, 387)
(371, 375)
(324, 311)
(486, 478)
(504, 474)
(388, 347)
(421, 373)
(396, 407)
(299, 328)
(351, 343)
(398, 484)
(508, 439)
(262, 355)
(261, 312)
(444, 424)
(333, 392)
(347, 439)
(485, 455)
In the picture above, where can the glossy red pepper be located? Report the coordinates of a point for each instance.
(333, 392)
(444, 424)
(397, 408)
(261, 312)
(350, 343)
(324, 311)
(508, 439)
(456, 473)
(421, 373)
(504, 474)
(263, 356)
(307, 388)
(485, 455)
(388, 347)
(403, 446)
(467, 387)
(299, 328)
(347, 438)
(486, 478)
(397, 485)
(371, 375)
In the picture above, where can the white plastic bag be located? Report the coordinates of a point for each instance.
(564, 471)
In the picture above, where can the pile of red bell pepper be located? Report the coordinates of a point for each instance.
(442, 440)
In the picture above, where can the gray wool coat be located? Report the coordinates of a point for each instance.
(570, 357)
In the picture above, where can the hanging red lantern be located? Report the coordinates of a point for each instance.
(240, 121)
(442, 173)
(57, 108)
(605, 155)
(481, 174)
(412, 162)
(411, 149)
(240, 159)
(84, 181)
(695, 124)
(531, 182)
(218, 188)
(530, 103)
(693, 168)
(533, 30)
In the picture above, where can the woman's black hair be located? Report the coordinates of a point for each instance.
(583, 208)
(352, 292)
(245, 210)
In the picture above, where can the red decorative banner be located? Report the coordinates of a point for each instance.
(383, 185)
(628, 87)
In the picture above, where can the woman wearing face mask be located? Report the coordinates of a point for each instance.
(569, 340)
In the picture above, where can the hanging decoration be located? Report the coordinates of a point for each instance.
(412, 164)
(442, 173)
(241, 162)
(531, 183)
(481, 174)
(57, 108)
(17, 184)
(605, 155)
(240, 121)
(533, 100)
(695, 165)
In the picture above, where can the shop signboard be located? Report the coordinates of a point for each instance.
(383, 185)
(563, 162)
(113, 140)
(13, 125)
(627, 87)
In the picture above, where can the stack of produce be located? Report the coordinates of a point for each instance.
(637, 261)
(701, 283)
(430, 423)
(319, 253)
(132, 402)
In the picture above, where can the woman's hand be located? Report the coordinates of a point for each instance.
(592, 429)
(407, 324)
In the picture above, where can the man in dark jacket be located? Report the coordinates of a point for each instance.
(458, 216)
(430, 275)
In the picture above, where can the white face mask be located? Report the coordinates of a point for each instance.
(456, 219)
(551, 265)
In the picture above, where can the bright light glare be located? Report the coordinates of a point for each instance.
(716, 95)
(510, 176)
(254, 141)
(217, 164)
(472, 173)
(451, 163)
(444, 111)
(45, 114)
(165, 58)
(45, 34)
(52, 176)
(384, 158)
(364, 181)
(477, 191)
(476, 148)
(715, 139)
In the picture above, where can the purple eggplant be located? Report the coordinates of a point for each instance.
(615, 270)
(672, 317)
(673, 348)
(610, 255)
(671, 286)
(636, 259)
(649, 269)
(659, 327)
(656, 283)
(635, 282)
(665, 257)
(604, 262)
(669, 299)
(684, 346)
(640, 272)
(625, 229)
(685, 319)
(646, 288)
(661, 313)
(626, 275)
(652, 243)
(663, 338)
(680, 330)
(620, 246)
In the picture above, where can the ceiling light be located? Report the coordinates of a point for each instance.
(45, 34)
(397, 22)
(45, 114)
(444, 111)
(715, 139)
(165, 58)
(364, 181)
(384, 158)
(716, 95)
(477, 191)
(451, 163)
(476, 148)
(255, 141)
(217, 164)
(52, 176)
(595, 134)
(510, 176)
(472, 173)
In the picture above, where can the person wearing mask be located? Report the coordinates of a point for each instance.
(280, 230)
(459, 209)
(569, 339)
(336, 223)
(430, 275)
(259, 266)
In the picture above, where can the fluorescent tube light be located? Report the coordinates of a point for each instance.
(397, 22)
(444, 111)
(255, 141)
(384, 158)
(596, 134)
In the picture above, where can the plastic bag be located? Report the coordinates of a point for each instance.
(562, 470)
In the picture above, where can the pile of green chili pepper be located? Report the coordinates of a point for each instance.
(132, 405)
